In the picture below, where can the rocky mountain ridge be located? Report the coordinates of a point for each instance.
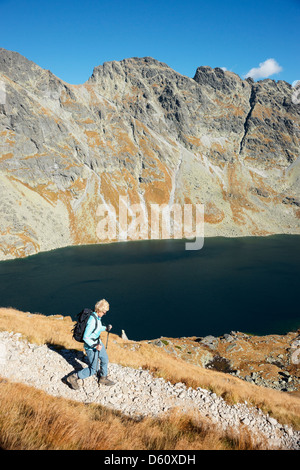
(139, 129)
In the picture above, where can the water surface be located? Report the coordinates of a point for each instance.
(157, 288)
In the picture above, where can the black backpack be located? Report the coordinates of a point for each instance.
(79, 327)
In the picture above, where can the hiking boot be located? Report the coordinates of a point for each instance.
(73, 381)
(105, 381)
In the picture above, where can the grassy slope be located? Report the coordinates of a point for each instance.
(31, 419)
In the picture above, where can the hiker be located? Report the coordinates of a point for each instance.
(95, 349)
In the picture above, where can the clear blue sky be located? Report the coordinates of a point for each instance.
(71, 37)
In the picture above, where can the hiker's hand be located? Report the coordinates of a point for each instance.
(99, 347)
(109, 327)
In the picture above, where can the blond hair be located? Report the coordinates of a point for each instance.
(101, 305)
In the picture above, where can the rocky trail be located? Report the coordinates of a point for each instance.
(136, 393)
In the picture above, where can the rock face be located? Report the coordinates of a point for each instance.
(139, 129)
(270, 361)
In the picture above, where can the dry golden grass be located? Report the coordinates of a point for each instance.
(33, 420)
(41, 329)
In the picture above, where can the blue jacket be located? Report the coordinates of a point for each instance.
(91, 335)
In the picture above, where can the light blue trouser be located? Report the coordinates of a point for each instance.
(93, 360)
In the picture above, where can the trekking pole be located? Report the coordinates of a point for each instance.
(107, 340)
(108, 330)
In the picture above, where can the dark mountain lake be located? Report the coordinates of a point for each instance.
(157, 288)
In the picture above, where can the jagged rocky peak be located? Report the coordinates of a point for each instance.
(140, 128)
(122, 67)
(216, 78)
(142, 77)
(149, 90)
(27, 73)
(18, 68)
